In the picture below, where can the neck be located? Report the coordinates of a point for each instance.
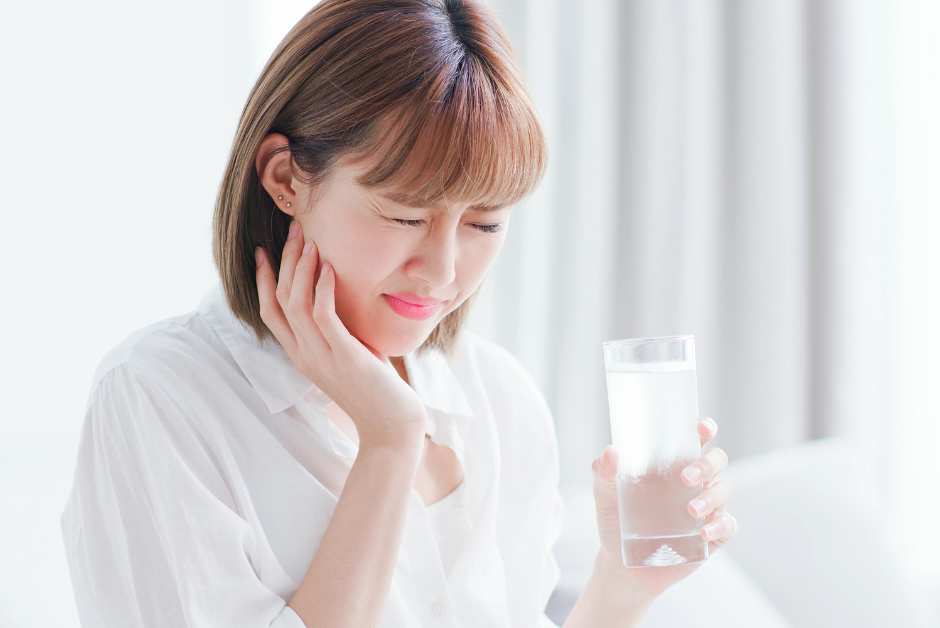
(399, 363)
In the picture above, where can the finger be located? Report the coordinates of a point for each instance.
(604, 469)
(717, 495)
(324, 309)
(707, 430)
(721, 530)
(270, 310)
(717, 512)
(705, 468)
(300, 303)
(605, 466)
(289, 257)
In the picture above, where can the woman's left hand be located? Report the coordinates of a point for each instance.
(719, 527)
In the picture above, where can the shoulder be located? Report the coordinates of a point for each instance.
(512, 390)
(487, 355)
(498, 364)
(141, 358)
(143, 407)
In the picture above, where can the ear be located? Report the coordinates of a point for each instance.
(275, 174)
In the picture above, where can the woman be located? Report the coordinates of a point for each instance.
(318, 443)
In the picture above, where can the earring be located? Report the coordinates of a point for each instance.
(280, 198)
(288, 204)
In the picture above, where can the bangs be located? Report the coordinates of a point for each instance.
(461, 138)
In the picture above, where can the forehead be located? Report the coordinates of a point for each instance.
(353, 170)
(402, 199)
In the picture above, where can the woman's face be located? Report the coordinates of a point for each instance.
(399, 269)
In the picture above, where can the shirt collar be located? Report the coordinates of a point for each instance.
(275, 378)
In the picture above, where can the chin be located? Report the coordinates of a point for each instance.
(396, 344)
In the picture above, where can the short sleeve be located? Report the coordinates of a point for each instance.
(151, 532)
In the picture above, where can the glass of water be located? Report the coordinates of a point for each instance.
(653, 399)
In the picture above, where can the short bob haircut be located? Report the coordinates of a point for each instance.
(427, 90)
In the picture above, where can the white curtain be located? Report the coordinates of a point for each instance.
(727, 169)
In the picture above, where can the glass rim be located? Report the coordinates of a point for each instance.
(644, 341)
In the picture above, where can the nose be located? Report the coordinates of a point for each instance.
(436, 259)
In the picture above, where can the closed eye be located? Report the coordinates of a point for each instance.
(483, 228)
(489, 228)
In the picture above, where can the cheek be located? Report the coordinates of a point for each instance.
(364, 259)
(477, 258)
(362, 254)
(474, 261)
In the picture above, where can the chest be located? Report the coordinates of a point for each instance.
(438, 473)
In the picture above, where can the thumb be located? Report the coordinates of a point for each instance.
(605, 467)
(605, 498)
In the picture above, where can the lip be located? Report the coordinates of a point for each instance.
(414, 308)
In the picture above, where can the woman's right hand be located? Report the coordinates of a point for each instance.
(385, 409)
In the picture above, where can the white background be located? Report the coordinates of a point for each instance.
(117, 119)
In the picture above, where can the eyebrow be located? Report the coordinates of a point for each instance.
(402, 199)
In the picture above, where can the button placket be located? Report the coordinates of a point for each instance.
(420, 571)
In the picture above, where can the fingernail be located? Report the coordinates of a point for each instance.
(294, 228)
(710, 530)
(698, 505)
(307, 246)
(258, 257)
(325, 269)
(692, 474)
(712, 424)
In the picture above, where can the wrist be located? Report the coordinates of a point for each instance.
(617, 578)
(611, 599)
(403, 439)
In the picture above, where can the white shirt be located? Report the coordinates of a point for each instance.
(452, 525)
(208, 471)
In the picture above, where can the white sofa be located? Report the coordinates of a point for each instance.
(811, 551)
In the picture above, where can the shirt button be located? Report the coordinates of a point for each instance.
(438, 609)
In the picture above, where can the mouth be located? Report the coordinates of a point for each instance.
(412, 311)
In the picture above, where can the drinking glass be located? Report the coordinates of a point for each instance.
(653, 399)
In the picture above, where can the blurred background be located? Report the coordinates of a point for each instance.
(763, 175)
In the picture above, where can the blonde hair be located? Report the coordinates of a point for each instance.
(428, 89)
